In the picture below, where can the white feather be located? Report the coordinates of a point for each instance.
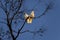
(29, 20)
(32, 14)
(26, 15)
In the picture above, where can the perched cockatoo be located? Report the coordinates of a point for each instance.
(30, 17)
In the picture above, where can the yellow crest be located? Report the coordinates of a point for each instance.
(30, 17)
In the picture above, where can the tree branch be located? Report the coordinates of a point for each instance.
(11, 31)
(21, 28)
(2, 6)
(47, 8)
(20, 4)
(33, 32)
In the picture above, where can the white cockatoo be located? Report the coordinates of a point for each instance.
(30, 17)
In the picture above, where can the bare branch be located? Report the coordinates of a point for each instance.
(4, 8)
(47, 8)
(16, 10)
(20, 29)
(33, 32)
(24, 31)
(20, 4)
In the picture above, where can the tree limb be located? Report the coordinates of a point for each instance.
(20, 4)
(20, 29)
(47, 8)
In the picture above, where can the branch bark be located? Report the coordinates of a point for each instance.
(20, 29)
(18, 8)
(47, 8)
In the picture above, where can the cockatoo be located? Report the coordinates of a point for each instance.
(30, 17)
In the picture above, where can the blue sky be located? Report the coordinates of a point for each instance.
(51, 20)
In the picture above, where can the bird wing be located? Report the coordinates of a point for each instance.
(32, 14)
(26, 15)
